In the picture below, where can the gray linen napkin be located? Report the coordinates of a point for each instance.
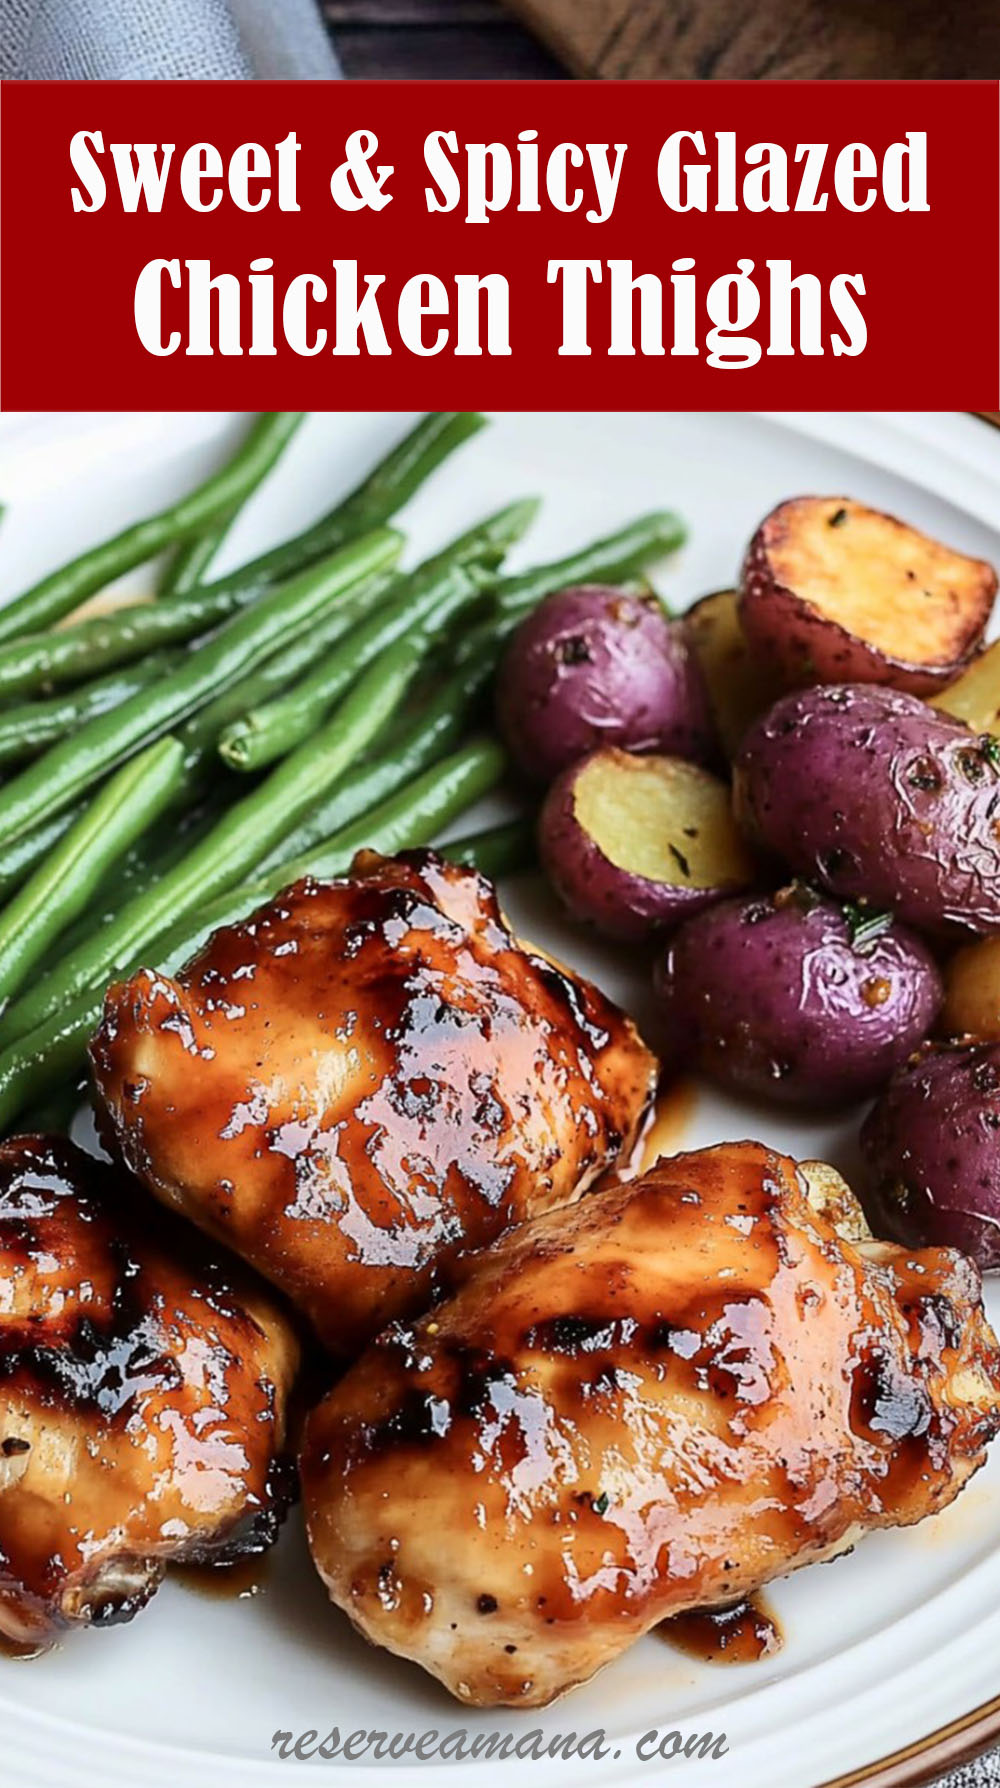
(983, 1773)
(164, 40)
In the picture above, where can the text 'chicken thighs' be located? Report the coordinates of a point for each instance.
(142, 1399)
(366, 1077)
(656, 1401)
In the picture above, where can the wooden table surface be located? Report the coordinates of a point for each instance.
(685, 39)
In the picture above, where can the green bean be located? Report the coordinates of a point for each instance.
(501, 850)
(66, 881)
(33, 1065)
(52, 659)
(404, 821)
(270, 732)
(417, 742)
(187, 566)
(401, 473)
(426, 602)
(372, 503)
(47, 660)
(66, 588)
(420, 741)
(610, 560)
(232, 847)
(410, 748)
(409, 818)
(29, 727)
(36, 1067)
(190, 561)
(69, 654)
(201, 732)
(146, 862)
(20, 857)
(69, 768)
(484, 544)
(54, 1114)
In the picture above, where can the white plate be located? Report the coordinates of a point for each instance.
(882, 1647)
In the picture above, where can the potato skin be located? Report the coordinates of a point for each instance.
(618, 902)
(931, 1147)
(878, 797)
(804, 646)
(594, 666)
(774, 1000)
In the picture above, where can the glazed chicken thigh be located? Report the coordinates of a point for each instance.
(656, 1401)
(142, 1399)
(363, 1079)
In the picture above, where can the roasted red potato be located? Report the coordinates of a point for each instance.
(595, 666)
(635, 844)
(878, 797)
(739, 687)
(834, 592)
(795, 998)
(931, 1148)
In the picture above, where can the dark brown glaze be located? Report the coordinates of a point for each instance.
(143, 1396)
(744, 1633)
(18, 1650)
(365, 1078)
(237, 1581)
(656, 1401)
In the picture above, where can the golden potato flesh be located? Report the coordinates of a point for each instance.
(972, 992)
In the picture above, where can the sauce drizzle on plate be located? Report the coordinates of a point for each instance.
(17, 1648)
(671, 1116)
(743, 1633)
(233, 1582)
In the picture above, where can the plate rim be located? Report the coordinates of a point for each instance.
(948, 1747)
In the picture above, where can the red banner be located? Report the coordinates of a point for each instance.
(500, 245)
